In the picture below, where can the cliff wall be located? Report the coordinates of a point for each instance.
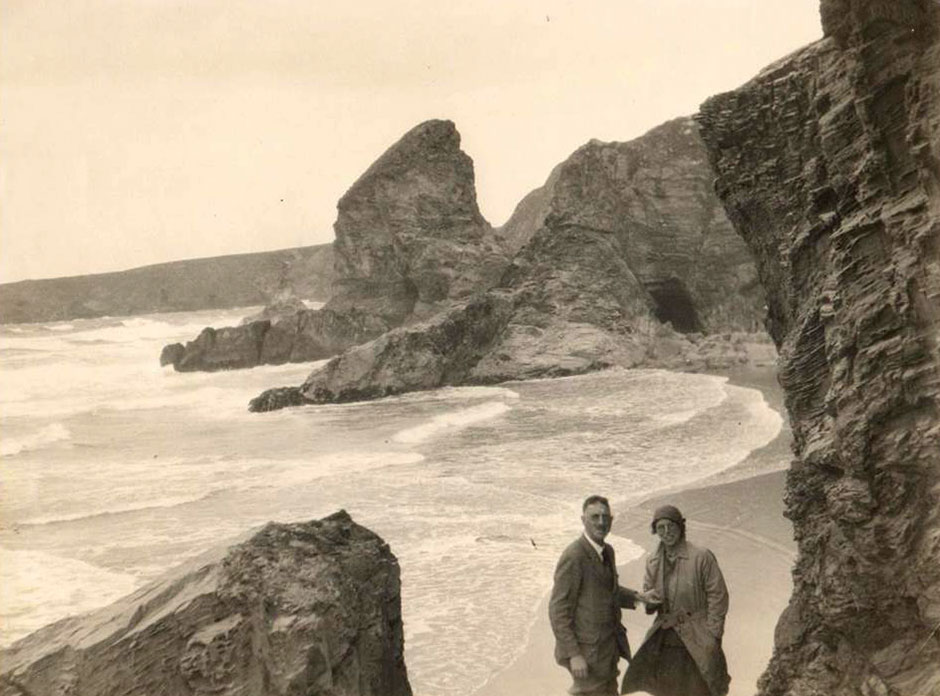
(828, 164)
(309, 608)
(213, 283)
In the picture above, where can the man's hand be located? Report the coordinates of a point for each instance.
(579, 667)
(649, 597)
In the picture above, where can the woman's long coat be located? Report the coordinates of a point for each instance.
(697, 608)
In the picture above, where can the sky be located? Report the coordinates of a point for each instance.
(140, 131)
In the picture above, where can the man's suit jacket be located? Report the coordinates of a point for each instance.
(586, 601)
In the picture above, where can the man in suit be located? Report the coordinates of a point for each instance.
(585, 606)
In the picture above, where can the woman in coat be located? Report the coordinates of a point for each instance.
(682, 654)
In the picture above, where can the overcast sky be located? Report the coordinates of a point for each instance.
(140, 131)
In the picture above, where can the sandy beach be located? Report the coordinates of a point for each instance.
(738, 514)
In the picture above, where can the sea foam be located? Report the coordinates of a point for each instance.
(56, 432)
(454, 420)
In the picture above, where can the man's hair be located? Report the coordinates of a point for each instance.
(591, 499)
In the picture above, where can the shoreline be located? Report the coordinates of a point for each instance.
(738, 514)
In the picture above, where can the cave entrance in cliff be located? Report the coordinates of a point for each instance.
(672, 303)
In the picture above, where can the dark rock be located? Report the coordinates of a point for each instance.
(307, 608)
(439, 351)
(278, 309)
(276, 399)
(631, 252)
(653, 198)
(409, 233)
(224, 349)
(172, 354)
(310, 334)
(827, 163)
(409, 240)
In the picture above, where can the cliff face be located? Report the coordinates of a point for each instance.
(829, 166)
(311, 608)
(409, 233)
(652, 198)
(629, 237)
(215, 283)
(409, 240)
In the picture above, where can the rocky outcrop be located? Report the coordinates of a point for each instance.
(440, 351)
(409, 240)
(309, 334)
(307, 608)
(409, 233)
(652, 199)
(214, 283)
(632, 263)
(828, 163)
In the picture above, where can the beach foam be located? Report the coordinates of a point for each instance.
(56, 432)
(454, 420)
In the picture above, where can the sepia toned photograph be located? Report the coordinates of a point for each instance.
(488, 348)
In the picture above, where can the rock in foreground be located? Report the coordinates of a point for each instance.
(827, 163)
(307, 608)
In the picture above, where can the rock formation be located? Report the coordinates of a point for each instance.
(309, 608)
(409, 240)
(214, 283)
(309, 334)
(828, 163)
(409, 234)
(626, 259)
(653, 198)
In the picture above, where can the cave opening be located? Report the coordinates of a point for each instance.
(673, 304)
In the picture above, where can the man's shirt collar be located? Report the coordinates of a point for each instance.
(597, 547)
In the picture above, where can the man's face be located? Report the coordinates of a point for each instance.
(596, 518)
(668, 532)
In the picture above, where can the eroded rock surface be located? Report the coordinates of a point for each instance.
(410, 239)
(409, 233)
(626, 259)
(308, 608)
(309, 334)
(829, 166)
(651, 201)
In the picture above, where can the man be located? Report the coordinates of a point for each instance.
(585, 606)
(682, 653)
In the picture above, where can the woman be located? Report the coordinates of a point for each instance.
(682, 654)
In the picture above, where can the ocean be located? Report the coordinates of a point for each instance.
(113, 470)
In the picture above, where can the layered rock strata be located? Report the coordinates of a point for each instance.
(308, 608)
(631, 263)
(410, 239)
(828, 163)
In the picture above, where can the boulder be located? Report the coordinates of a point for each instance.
(305, 608)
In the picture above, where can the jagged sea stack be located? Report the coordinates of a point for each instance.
(828, 163)
(306, 608)
(410, 240)
(409, 233)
